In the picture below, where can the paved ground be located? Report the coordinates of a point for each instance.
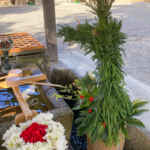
(136, 24)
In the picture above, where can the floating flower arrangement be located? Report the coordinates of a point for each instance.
(40, 133)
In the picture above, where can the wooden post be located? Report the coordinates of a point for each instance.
(13, 2)
(50, 30)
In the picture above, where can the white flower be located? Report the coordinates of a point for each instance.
(91, 75)
(55, 135)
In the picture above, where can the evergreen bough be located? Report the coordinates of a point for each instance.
(106, 108)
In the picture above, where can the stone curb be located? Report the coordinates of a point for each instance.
(138, 139)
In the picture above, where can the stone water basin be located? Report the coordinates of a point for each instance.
(39, 98)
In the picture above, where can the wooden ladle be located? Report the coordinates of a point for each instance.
(13, 80)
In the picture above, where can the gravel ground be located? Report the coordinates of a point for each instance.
(135, 17)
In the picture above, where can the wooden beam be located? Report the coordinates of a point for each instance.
(50, 29)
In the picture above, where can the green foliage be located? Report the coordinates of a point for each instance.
(69, 92)
(105, 107)
(63, 77)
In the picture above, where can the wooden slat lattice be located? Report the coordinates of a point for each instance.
(23, 43)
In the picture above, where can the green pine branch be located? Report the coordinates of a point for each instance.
(111, 109)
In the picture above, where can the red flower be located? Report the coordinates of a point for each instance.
(81, 97)
(34, 133)
(91, 99)
(104, 124)
(90, 110)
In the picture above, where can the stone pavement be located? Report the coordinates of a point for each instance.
(136, 24)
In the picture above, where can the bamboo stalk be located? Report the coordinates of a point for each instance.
(48, 84)
(43, 83)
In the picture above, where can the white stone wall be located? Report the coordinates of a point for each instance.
(38, 2)
(21, 2)
(4, 3)
(7, 3)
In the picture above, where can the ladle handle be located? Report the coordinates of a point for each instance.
(3, 77)
(23, 104)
